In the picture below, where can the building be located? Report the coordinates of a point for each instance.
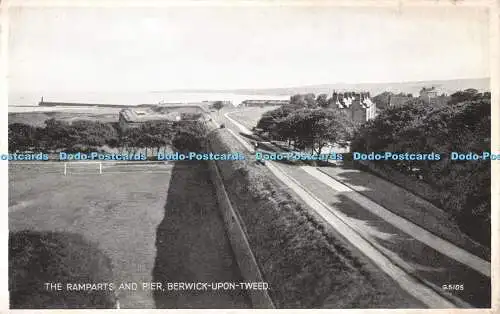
(434, 96)
(398, 100)
(428, 94)
(359, 105)
(259, 103)
(132, 118)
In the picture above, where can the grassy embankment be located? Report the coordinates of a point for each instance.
(302, 259)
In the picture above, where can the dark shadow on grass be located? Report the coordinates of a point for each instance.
(192, 246)
(419, 259)
(384, 192)
(36, 258)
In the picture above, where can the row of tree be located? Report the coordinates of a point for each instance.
(312, 101)
(87, 135)
(306, 128)
(461, 125)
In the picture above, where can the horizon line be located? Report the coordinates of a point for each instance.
(313, 85)
(336, 83)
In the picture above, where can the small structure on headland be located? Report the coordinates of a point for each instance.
(132, 118)
(135, 117)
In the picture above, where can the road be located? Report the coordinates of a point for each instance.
(420, 261)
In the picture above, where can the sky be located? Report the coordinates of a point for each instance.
(148, 49)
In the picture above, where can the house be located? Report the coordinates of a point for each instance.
(398, 100)
(428, 94)
(433, 96)
(359, 105)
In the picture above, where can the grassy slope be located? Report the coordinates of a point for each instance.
(304, 261)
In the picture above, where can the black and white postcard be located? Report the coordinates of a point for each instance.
(250, 154)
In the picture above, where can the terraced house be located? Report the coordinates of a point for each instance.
(359, 105)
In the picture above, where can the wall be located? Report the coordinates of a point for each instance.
(239, 242)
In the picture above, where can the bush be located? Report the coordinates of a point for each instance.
(189, 137)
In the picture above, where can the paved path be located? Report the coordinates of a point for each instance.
(347, 230)
(407, 205)
(419, 261)
(440, 245)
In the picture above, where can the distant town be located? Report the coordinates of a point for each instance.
(359, 105)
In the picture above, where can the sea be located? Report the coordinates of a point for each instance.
(28, 102)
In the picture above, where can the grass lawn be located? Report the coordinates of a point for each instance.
(118, 212)
(249, 117)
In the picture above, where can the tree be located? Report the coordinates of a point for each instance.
(465, 95)
(310, 100)
(313, 128)
(189, 136)
(218, 105)
(298, 100)
(270, 118)
(322, 100)
(21, 136)
(303, 100)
